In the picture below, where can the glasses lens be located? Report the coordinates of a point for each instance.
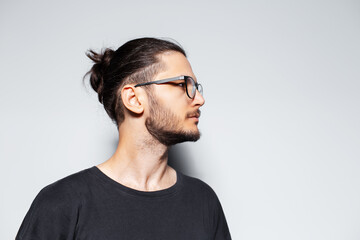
(190, 87)
(200, 88)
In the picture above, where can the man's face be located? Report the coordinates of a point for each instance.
(173, 116)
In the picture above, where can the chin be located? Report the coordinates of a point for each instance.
(193, 134)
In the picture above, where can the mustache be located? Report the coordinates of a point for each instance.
(195, 113)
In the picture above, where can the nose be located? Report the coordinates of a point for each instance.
(198, 99)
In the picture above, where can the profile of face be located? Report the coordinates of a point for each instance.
(173, 116)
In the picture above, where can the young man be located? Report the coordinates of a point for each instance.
(149, 90)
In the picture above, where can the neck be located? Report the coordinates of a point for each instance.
(139, 162)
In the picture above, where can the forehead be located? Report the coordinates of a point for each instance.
(175, 64)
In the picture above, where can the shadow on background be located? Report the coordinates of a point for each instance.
(180, 159)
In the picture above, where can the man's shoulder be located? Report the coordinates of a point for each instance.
(66, 189)
(71, 181)
(56, 207)
(198, 186)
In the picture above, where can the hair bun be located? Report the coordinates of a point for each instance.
(97, 72)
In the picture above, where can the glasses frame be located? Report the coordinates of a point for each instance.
(185, 78)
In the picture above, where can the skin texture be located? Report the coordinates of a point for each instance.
(166, 127)
(140, 160)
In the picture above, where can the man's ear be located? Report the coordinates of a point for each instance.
(132, 99)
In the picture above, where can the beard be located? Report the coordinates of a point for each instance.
(166, 127)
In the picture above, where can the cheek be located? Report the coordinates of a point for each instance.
(175, 100)
(177, 109)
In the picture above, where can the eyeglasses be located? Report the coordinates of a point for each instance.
(189, 83)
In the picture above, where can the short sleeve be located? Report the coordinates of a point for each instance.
(214, 216)
(220, 227)
(52, 215)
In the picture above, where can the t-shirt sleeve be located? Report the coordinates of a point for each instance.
(220, 225)
(52, 215)
(216, 217)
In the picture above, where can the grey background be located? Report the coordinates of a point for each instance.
(280, 126)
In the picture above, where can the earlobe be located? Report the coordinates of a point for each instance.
(131, 99)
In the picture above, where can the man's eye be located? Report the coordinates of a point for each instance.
(181, 84)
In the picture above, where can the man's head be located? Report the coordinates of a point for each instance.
(169, 114)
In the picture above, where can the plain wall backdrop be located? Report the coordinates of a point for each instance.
(280, 127)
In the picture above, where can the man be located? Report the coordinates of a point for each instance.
(149, 90)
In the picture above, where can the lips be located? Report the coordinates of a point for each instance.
(194, 114)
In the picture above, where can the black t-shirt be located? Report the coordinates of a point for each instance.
(90, 205)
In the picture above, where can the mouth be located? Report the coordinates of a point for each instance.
(194, 115)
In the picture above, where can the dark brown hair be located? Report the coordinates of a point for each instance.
(134, 62)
